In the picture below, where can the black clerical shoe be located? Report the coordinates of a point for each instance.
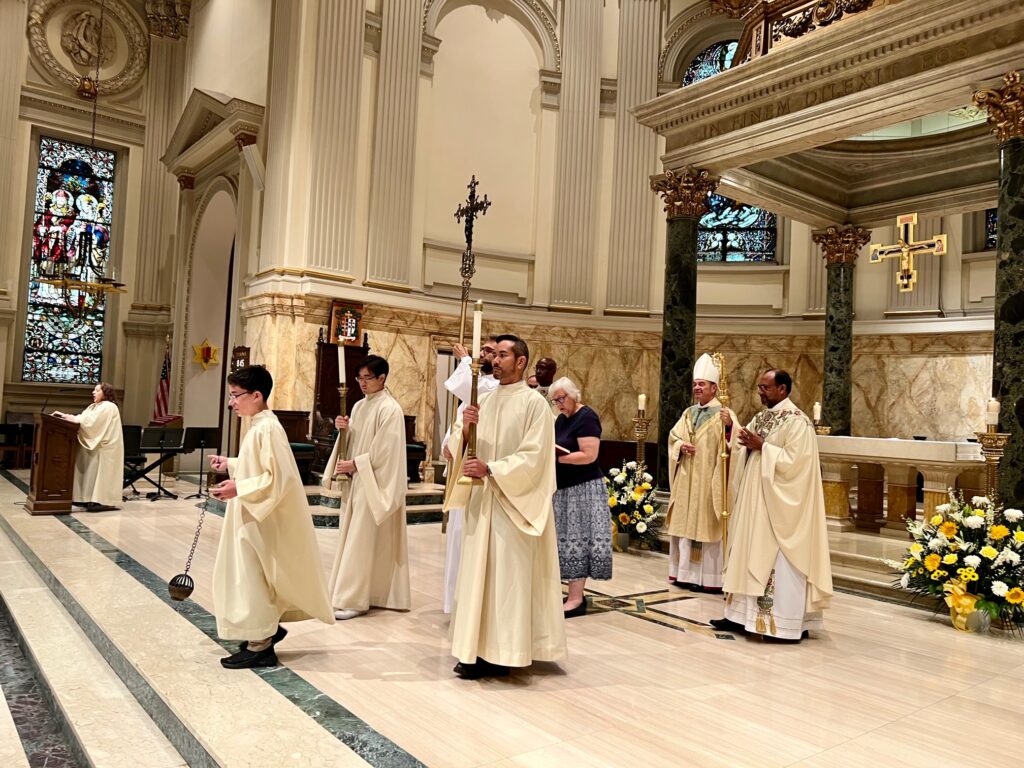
(708, 590)
(579, 610)
(246, 659)
(686, 585)
(277, 638)
(785, 640)
(728, 626)
(481, 668)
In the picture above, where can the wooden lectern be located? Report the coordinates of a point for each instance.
(53, 466)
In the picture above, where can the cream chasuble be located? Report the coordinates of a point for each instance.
(99, 464)
(508, 604)
(268, 565)
(371, 567)
(778, 519)
(695, 507)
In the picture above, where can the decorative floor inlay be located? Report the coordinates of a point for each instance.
(639, 605)
(350, 730)
(42, 737)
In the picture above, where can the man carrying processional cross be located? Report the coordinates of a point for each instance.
(697, 479)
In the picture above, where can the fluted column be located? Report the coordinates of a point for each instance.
(1006, 117)
(335, 136)
(152, 290)
(13, 55)
(632, 226)
(577, 166)
(685, 195)
(839, 247)
(394, 146)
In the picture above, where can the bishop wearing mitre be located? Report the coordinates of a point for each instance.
(777, 575)
(508, 606)
(371, 567)
(697, 478)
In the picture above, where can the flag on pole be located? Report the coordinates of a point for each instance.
(163, 390)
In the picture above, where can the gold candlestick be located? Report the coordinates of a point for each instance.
(640, 426)
(341, 477)
(993, 445)
(470, 441)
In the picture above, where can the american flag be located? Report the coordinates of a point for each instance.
(163, 391)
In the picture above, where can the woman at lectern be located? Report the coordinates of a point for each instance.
(99, 463)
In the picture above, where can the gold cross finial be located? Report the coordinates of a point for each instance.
(906, 249)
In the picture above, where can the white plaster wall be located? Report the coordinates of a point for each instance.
(484, 119)
(229, 47)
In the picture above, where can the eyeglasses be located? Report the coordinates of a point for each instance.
(366, 379)
(558, 400)
(236, 395)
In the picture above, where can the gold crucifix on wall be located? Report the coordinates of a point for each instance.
(906, 249)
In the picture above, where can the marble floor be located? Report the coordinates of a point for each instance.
(647, 679)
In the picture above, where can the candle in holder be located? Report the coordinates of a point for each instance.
(817, 412)
(341, 365)
(992, 415)
(641, 403)
(478, 321)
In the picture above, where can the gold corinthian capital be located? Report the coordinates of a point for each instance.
(1005, 107)
(685, 193)
(840, 245)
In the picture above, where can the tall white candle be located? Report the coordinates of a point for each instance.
(641, 403)
(817, 412)
(341, 364)
(992, 416)
(478, 322)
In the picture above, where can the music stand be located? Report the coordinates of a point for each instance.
(201, 438)
(166, 442)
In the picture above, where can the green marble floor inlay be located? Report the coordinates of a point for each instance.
(371, 746)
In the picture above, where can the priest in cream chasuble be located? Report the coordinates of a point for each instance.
(371, 567)
(268, 567)
(778, 574)
(697, 477)
(508, 606)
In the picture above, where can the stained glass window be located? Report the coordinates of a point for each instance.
(72, 222)
(731, 231)
(991, 223)
(712, 60)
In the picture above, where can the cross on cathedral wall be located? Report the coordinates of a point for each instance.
(906, 249)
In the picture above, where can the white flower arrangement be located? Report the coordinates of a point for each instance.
(631, 501)
(1013, 515)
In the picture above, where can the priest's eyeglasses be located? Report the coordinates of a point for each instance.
(236, 395)
(366, 379)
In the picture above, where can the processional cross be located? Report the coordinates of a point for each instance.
(906, 249)
(469, 210)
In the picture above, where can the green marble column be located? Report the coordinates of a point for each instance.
(840, 246)
(685, 196)
(1006, 117)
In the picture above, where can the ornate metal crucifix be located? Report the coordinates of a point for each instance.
(469, 210)
(906, 249)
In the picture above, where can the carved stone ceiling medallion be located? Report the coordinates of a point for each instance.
(65, 39)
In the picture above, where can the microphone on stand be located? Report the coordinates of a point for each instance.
(46, 400)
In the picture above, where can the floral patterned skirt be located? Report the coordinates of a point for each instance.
(584, 531)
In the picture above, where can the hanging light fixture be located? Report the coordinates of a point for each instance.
(72, 258)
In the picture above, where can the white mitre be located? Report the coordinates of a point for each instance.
(706, 369)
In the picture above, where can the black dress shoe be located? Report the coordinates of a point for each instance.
(277, 638)
(728, 626)
(481, 668)
(686, 585)
(579, 610)
(246, 659)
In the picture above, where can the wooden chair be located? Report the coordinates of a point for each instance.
(10, 445)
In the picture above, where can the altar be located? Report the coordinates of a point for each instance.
(884, 472)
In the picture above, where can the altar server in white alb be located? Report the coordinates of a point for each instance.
(371, 567)
(460, 384)
(697, 477)
(778, 576)
(268, 567)
(99, 463)
(508, 607)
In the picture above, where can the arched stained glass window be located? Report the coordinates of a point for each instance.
(731, 231)
(712, 60)
(72, 221)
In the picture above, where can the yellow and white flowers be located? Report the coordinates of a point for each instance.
(631, 500)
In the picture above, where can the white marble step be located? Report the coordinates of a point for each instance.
(12, 755)
(106, 722)
(211, 715)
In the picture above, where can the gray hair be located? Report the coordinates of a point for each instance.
(566, 385)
